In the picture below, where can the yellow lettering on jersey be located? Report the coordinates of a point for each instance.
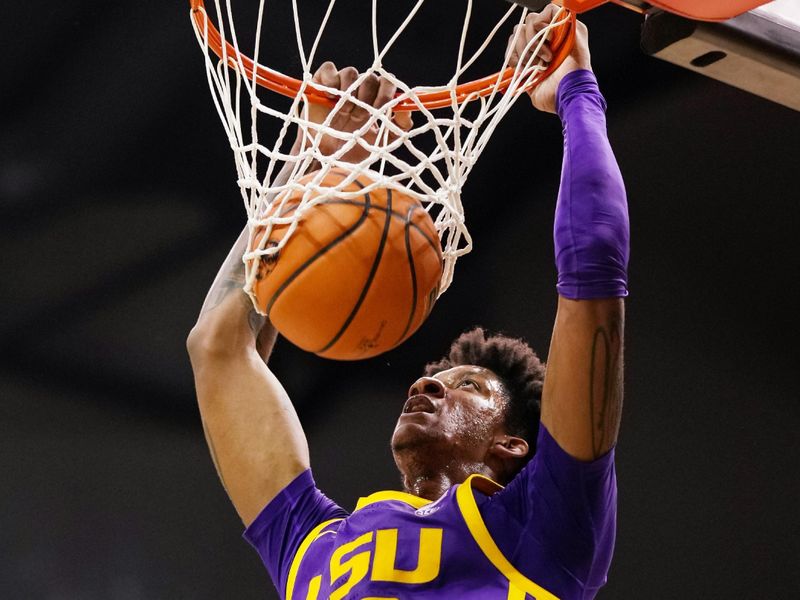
(357, 565)
(316, 533)
(428, 561)
(313, 588)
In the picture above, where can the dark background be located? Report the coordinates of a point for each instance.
(118, 202)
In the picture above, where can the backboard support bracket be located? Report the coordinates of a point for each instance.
(749, 52)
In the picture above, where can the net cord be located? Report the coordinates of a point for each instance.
(459, 133)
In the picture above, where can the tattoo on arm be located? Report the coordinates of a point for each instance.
(231, 276)
(605, 387)
(219, 292)
(230, 279)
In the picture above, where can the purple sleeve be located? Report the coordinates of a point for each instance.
(277, 532)
(567, 506)
(591, 231)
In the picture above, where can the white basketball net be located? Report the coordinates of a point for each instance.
(457, 134)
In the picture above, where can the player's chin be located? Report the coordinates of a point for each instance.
(412, 433)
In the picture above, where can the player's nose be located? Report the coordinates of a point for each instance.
(428, 386)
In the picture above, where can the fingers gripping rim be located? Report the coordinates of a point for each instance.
(562, 43)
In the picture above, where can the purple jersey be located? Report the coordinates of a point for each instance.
(548, 534)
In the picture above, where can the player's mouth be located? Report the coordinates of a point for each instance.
(419, 404)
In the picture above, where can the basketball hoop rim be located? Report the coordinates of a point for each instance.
(561, 45)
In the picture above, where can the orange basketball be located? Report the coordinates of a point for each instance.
(357, 277)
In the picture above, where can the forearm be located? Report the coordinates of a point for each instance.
(591, 230)
(228, 321)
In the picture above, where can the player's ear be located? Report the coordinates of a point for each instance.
(509, 446)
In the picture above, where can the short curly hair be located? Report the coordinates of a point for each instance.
(518, 367)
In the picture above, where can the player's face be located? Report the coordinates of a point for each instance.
(454, 413)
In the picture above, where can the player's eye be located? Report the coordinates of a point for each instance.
(467, 383)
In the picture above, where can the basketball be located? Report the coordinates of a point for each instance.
(357, 277)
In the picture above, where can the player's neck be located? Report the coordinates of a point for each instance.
(433, 485)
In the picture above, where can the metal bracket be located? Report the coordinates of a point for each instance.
(751, 52)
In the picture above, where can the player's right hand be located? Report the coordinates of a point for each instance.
(373, 91)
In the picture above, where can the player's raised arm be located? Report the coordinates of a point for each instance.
(582, 396)
(252, 430)
(253, 433)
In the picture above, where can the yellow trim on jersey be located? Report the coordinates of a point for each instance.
(298, 557)
(411, 499)
(313, 588)
(469, 510)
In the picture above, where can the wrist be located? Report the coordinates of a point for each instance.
(580, 83)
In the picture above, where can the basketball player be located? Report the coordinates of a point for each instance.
(469, 427)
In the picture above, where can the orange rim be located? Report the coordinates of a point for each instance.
(561, 45)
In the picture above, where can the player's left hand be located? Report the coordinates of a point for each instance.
(543, 96)
(373, 91)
